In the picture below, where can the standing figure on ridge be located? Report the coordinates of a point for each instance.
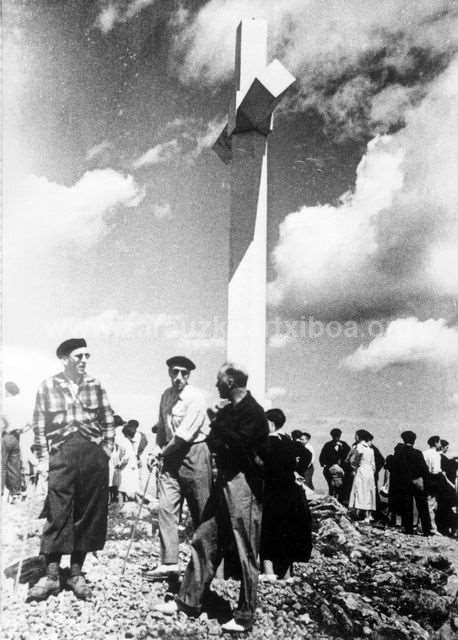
(362, 460)
(231, 524)
(185, 471)
(409, 468)
(74, 433)
(332, 459)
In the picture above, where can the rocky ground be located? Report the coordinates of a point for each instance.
(362, 582)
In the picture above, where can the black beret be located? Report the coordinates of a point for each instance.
(180, 361)
(70, 345)
(276, 416)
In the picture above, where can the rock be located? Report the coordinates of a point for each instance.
(400, 630)
(326, 616)
(330, 532)
(425, 604)
(342, 618)
(447, 631)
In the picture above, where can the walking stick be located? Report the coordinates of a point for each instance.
(134, 525)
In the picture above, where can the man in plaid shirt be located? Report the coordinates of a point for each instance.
(74, 434)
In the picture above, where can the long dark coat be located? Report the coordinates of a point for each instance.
(286, 523)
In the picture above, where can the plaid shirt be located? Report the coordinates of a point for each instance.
(62, 408)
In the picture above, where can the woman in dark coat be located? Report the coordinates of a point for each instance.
(286, 533)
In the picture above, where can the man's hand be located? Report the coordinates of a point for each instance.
(154, 459)
(213, 411)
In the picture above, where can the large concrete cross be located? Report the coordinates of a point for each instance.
(243, 145)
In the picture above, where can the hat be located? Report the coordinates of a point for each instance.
(276, 416)
(180, 361)
(70, 345)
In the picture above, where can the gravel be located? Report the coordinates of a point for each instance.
(361, 582)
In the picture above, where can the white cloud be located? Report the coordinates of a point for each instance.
(107, 18)
(405, 341)
(343, 54)
(205, 135)
(454, 400)
(27, 367)
(162, 211)
(276, 392)
(394, 239)
(193, 136)
(98, 150)
(199, 344)
(113, 324)
(279, 340)
(163, 152)
(118, 11)
(54, 214)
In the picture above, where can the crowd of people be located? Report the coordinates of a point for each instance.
(414, 482)
(245, 480)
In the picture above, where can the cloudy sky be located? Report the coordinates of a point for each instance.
(116, 209)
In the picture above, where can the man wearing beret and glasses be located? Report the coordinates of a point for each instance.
(181, 433)
(74, 434)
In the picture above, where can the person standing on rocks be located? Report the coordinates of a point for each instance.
(131, 445)
(362, 460)
(181, 433)
(232, 521)
(332, 459)
(286, 534)
(12, 425)
(74, 433)
(447, 499)
(409, 468)
(303, 455)
(434, 478)
(379, 463)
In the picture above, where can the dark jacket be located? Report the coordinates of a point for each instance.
(408, 463)
(237, 437)
(334, 453)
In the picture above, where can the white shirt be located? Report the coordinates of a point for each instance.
(183, 415)
(16, 411)
(433, 460)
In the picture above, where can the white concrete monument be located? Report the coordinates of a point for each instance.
(243, 145)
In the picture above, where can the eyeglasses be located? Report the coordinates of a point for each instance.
(80, 356)
(175, 372)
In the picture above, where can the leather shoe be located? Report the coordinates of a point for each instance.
(235, 627)
(167, 608)
(47, 586)
(79, 587)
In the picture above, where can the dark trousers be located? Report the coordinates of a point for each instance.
(11, 464)
(188, 478)
(232, 520)
(76, 506)
(410, 494)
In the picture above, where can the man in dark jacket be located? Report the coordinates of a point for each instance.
(332, 459)
(409, 467)
(232, 520)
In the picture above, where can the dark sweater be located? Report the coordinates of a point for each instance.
(238, 436)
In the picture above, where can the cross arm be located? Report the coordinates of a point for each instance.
(256, 107)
